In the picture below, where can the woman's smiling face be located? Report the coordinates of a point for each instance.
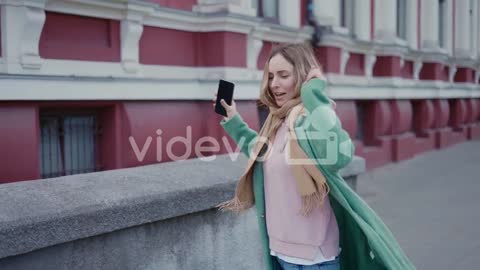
(281, 80)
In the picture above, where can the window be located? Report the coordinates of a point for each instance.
(402, 19)
(347, 15)
(442, 23)
(268, 9)
(472, 25)
(68, 144)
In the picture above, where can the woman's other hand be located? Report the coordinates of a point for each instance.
(230, 109)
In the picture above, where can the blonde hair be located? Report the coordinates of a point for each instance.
(302, 58)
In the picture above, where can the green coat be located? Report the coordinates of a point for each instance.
(366, 242)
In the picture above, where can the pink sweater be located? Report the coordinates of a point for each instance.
(290, 233)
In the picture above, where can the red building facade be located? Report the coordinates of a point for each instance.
(98, 85)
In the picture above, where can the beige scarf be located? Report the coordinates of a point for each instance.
(310, 182)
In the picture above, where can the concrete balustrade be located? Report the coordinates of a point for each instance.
(159, 216)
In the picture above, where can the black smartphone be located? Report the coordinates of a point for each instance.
(225, 92)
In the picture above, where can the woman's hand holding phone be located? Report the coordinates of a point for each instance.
(230, 109)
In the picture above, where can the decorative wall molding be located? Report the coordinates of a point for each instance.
(163, 17)
(24, 3)
(451, 73)
(402, 63)
(383, 49)
(417, 67)
(346, 80)
(254, 46)
(130, 33)
(106, 9)
(57, 88)
(390, 49)
(440, 56)
(340, 87)
(22, 55)
(327, 38)
(243, 7)
(276, 33)
(158, 16)
(21, 29)
(365, 47)
(344, 56)
(24, 21)
(369, 62)
(466, 62)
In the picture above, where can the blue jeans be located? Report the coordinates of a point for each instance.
(330, 265)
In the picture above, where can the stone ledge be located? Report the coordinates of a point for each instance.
(41, 213)
(356, 167)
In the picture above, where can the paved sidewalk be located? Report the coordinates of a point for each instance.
(432, 205)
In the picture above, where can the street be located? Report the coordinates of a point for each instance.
(431, 203)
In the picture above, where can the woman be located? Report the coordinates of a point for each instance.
(308, 216)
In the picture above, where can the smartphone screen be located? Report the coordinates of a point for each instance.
(225, 92)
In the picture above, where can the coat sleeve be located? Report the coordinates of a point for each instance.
(329, 142)
(243, 136)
